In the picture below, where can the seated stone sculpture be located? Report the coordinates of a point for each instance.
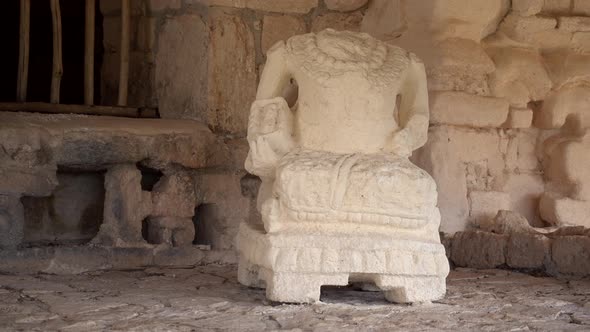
(340, 201)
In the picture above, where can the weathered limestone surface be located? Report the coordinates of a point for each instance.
(337, 21)
(126, 205)
(277, 28)
(174, 195)
(172, 231)
(462, 109)
(571, 254)
(232, 74)
(345, 5)
(486, 204)
(480, 250)
(349, 204)
(181, 85)
(11, 221)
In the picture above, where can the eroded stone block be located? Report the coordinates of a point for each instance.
(345, 5)
(484, 205)
(11, 221)
(571, 254)
(126, 205)
(527, 7)
(519, 118)
(276, 28)
(174, 196)
(507, 222)
(563, 211)
(461, 109)
(172, 231)
(520, 27)
(528, 251)
(337, 21)
(477, 249)
(561, 103)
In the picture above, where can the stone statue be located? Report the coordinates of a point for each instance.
(340, 201)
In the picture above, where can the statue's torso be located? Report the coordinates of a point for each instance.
(347, 92)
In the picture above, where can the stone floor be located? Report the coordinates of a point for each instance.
(209, 298)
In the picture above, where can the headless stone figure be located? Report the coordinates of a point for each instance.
(339, 200)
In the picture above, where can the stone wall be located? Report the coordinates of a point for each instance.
(503, 77)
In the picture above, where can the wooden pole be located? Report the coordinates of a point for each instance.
(89, 53)
(124, 70)
(23, 52)
(57, 51)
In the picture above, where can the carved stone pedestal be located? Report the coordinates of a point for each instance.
(293, 266)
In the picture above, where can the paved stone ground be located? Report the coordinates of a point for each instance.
(208, 298)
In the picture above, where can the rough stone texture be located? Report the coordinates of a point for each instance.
(527, 251)
(11, 221)
(574, 24)
(519, 118)
(477, 249)
(232, 76)
(181, 85)
(126, 205)
(462, 109)
(521, 28)
(560, 104)
(72, 213)
(298, 7)
(384, 19)
(174, 195)
(484, 205)
(571, 254)
(562, 211)
(337, 21)
(94, 143)
(172, 231)
(507, 222)
(581, 7)
(345, 5)
(527, 7)
(525, 189)
(567, 68)
(277, 28)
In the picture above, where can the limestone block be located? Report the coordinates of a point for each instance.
(450, 79)
(232, 71)
(337, 21)
(527, 7)
(564, 211)
(345, 5)
(160, 5)
(449, 177)
(384, 19)
(574, 23)
(571, 255)
(11, 221)
(298, 7)
(462, 109)
(528, 251)
(557, 6)
(580, 42)
(507, 222)
(277, 28)
(568, 68)
(181, 85)
(172, 231)
(174, 196)
(519, 118)
(125, 206)
(560, 104)
(35, 181)
(520, 76)
(480, 250)
(522, 151)
(519, 27)
(525, 190)
(484, 205)
(581, 7)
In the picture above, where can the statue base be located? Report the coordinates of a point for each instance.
(293, 266)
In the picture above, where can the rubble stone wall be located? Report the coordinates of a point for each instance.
(503, 77)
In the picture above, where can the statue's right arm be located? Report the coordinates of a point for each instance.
(270, 126)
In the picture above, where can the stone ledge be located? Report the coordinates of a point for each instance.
(80, 259)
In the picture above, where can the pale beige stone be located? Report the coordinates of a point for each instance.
(462, 109)
(564, 211)
(519, 27)
(326, 171)
(519, 118)
(525, 190)
(581, 7)
(520, 76)
(277, 28)
(384, 19)
(181, 86)
(580, 42)
(557, 6)
(337, 21)
(345, 5)
(560, 104)
(568, 68)
(126, 205)
(574, 23)
(484, 205)
(527, 7)
(232, 72)
(507, 222)
(450, 178)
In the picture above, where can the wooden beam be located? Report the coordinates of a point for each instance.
(23, 50)
(89, 52)
(131, 112)
(57, 51)
(124, 66)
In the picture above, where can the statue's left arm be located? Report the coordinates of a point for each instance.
(413, 111)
